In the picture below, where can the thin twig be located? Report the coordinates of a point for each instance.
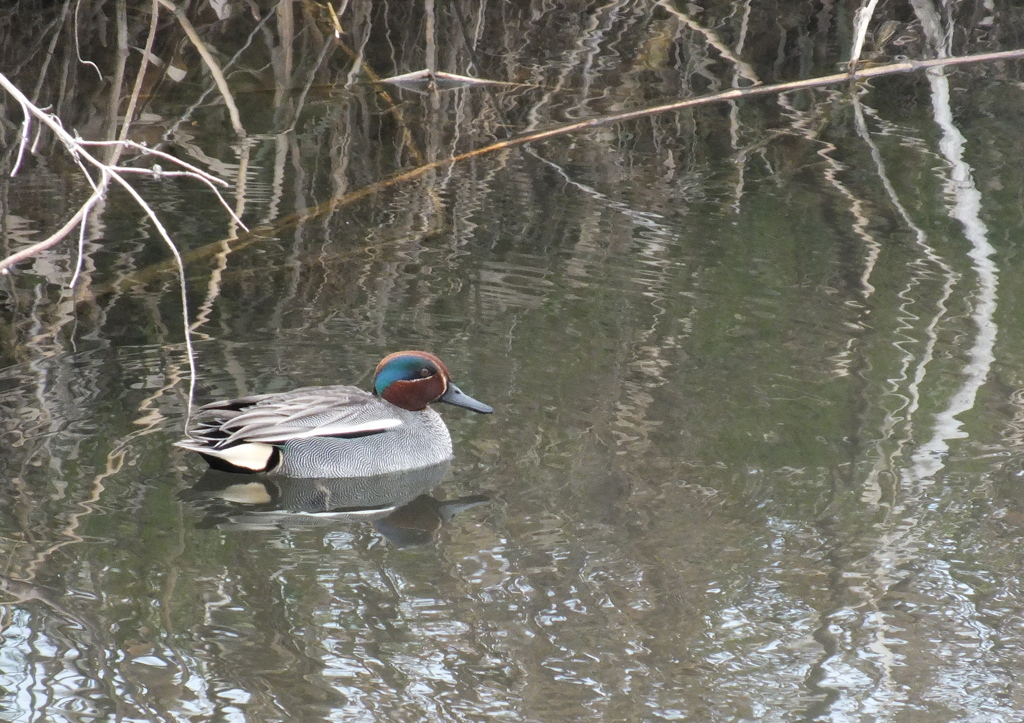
(181, 277)
(160, 154)
(26, 128)
(58, 23)
(172, 128)
(187, 174)
(190, 170)
(78, 47)
(117, 77)
(211, 64)
(147, 54)
(711, 38)
(53, 239)
(81, 238)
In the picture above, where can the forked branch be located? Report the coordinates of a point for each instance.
(107, 173)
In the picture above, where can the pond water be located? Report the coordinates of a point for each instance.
(758, 379)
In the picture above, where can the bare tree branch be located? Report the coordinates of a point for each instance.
(211, 64)
(107, 173)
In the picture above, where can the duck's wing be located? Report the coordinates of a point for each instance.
(338, 411)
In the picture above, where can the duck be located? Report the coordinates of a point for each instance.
(336, 431)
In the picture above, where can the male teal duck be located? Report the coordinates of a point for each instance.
(336, 431)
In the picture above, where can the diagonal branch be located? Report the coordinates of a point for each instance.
(211, 64)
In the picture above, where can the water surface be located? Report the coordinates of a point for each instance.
(757, 375)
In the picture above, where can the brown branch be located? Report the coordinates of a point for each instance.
(732, 94)
(908, 66)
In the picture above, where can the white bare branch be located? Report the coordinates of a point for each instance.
(107, 173)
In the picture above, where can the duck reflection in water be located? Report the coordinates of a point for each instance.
(398, 505)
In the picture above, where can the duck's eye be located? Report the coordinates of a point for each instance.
(425, 372)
